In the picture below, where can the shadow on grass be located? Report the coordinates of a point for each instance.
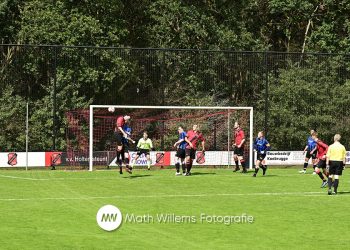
(344, 192)
(201, 173)
(137, 176)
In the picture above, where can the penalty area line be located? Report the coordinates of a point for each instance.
(169, 196)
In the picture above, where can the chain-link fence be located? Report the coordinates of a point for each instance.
(291, 92)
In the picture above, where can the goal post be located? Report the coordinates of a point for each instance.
(194, 113)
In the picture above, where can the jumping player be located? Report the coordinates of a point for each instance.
(143, 147)
(180, 153)
(125, 150)
(193, 136)
(238, 147)
(119, 134)
(261, 145)
(335, 163)
(311, 151)
(321, 159)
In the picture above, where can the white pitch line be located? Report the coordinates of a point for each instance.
(171, 196)
(23, 178)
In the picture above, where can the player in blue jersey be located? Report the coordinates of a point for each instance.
(181, 151)
(125, 158)
(261, 145)
(311, 152)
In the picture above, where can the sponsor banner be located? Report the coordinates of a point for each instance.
(18, 159)
(285, 158)
(158, 158)
(101, 158)
(290, 158)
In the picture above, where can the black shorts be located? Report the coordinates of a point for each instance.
(260, 156)
(336, 167)
(119, 138)
(309, 155)
(181, 153)
(191, 153)
(126, 148)
(321, 164)
(239, 151)
(143, 151)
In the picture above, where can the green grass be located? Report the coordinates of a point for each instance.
(57, 210)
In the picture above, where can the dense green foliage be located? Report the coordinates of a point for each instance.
(58, 79)
(58, 205)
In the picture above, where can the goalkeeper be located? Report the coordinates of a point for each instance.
(143, 147)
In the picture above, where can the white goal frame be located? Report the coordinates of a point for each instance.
(91, 129)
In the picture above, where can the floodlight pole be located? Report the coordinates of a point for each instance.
(27, 134)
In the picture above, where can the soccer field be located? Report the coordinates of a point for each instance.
(57, 210)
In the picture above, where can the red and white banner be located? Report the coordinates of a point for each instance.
(158, 158)
(18, 159)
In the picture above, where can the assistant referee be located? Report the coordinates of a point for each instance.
(335, 163)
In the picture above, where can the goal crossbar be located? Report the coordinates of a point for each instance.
(91, 117)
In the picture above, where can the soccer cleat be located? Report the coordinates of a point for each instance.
(149, 168)
(334, 193)
(128, 169)
(184, 173)
(188, 173)
(329, 191)
(302, 171)
(314, 173)
(244, 171)
(120, 171)
(264, 171)
(177, 173)
(324, 184)
(254, 175)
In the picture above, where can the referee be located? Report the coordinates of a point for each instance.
(335, 163)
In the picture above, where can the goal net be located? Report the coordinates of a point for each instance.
(161, 123)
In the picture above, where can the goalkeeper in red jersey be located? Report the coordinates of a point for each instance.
(321, 159)
(193, 137)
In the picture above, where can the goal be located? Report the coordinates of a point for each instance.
(161, 123)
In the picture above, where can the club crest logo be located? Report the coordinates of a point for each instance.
(12, 159)
(200, 157)
(56, 159)
(160, 158)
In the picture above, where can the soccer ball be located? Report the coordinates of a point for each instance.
(111, 109)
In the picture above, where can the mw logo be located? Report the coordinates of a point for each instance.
(109, 217)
